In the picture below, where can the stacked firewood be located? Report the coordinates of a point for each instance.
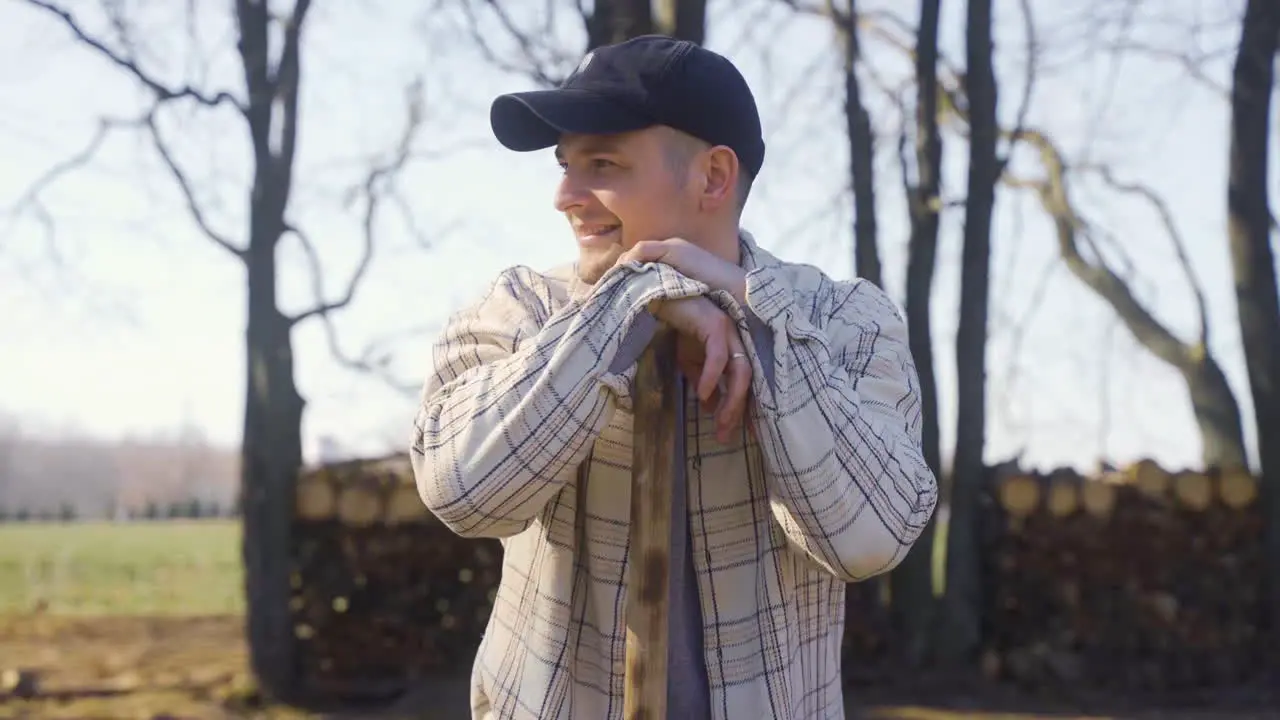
(1143, 580)
(382, 591)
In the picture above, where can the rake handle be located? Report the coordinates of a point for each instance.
(652, 479)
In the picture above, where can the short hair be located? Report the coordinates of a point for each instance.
(679, 150)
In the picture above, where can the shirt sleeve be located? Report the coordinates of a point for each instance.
(519, 392)
(837, 415)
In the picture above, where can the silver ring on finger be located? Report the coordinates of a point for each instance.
(737, 356)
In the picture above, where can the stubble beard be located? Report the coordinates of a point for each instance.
(593, 264)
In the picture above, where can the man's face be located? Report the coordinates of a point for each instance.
(618, 190)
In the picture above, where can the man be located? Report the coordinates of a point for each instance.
(804, 469)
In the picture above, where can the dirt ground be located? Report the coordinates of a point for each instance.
(129, 668)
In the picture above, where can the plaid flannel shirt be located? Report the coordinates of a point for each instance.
(524, 434)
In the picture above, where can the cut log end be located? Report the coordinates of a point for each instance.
(1238, 489)
(1098, 498)
(359, 506)
(404, 505)
(1064, 495)
(315, 499)
(1151, 479)
(1193, 491)
(1019, 495)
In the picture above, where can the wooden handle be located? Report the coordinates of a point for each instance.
(652, 477)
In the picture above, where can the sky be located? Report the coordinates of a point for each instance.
(118, 318)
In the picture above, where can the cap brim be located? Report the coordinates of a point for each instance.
(535, 120)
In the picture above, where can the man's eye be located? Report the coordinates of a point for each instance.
(593, 164)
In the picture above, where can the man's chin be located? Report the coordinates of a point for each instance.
(593, 264)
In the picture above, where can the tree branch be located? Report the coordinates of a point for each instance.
(1194, 60)
(287, 85)
(1072, 230)
(31, 200)
(188, 191)
(1005, 387)
(533, 68)
(1054, 196)
(162, 92)
(1175, 236)
(1192, 66)
(373, 191)
(1127, 12)
(375, 359)
(1029, 29)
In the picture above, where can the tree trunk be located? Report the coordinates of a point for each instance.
(962, 603)
(1253, 265)
(1213, 404)
(271, 457)
(613, 21)
(683, 19)
(1216, 412)
(911, 583)
(271, 450)
(866, 253)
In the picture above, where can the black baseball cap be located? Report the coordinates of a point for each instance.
(648, 80)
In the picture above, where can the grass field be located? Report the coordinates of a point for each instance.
(160, 568)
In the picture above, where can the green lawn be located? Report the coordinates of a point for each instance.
(141, 568)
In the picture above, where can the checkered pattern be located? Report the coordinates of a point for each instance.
(524, 434)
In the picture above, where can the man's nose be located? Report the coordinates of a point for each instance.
(570, 193)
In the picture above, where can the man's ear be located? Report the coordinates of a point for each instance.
(720, 178)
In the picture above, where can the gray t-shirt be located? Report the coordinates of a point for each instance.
(688, 692)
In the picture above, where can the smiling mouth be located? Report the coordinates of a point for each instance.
(594, 234)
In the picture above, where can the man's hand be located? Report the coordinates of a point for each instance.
(710, 353)
(694, 262)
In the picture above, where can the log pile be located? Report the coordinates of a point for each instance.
(1137, 581)
(383, 592)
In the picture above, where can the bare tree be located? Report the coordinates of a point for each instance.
(866, 252)
(1254, 265)
(1214, 406)
(606, 22)
(1202, 39)
(961, 633)
(268, 44)
(1213, 403)
(612, 21)
(912, 580)
(911, 583)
